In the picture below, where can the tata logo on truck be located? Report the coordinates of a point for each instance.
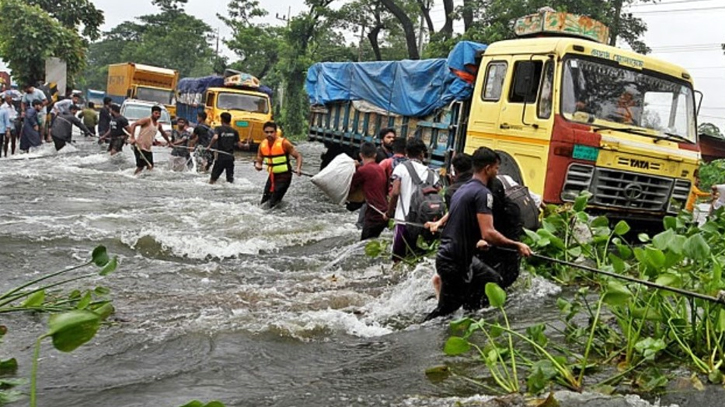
(642, 164)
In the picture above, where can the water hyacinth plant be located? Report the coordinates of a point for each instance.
(634, 331)
(75, 317)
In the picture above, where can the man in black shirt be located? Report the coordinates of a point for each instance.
(117, 131)
(62, 129)
(469, 226)
(225, 138)
(463, 169)
(104, 117)
(385, 150)
(202, 136)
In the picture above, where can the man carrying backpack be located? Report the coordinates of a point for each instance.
(201, 136)
(469, 227)
(414, 198)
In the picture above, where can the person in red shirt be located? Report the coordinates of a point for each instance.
(371, 178)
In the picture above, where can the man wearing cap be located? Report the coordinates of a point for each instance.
(62, 129)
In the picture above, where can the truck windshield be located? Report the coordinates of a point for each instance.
(241, 101)
(160, 96)
(135, 112)
(607, 91)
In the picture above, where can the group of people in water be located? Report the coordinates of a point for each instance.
(479, 233)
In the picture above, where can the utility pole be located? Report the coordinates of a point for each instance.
(283, 17)
(421, 27)
(359, 47)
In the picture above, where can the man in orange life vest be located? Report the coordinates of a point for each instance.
(275, 151)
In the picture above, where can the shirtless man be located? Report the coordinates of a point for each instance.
(149, 126)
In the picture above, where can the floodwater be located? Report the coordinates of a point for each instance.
(217, 298)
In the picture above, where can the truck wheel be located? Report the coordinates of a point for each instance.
(510, 167)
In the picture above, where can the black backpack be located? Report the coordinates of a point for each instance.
(520, 196)
(426, 204)
(205, 135)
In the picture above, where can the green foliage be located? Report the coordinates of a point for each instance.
(29, 35)
(197, 403)
(170, 39)
(75, 316)
(635, 328)
(711, 173)
(74, 14)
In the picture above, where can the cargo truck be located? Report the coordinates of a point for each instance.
(143, 82)
(237, 93)
(565, 112)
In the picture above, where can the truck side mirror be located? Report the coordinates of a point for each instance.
(524, 79)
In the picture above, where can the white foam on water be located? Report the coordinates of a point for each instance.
(310, 324)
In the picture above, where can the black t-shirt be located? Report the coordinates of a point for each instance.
(117, 125)
(203, 134)
(451, 190)
(227, 139)
(104, 120)
(459, 237)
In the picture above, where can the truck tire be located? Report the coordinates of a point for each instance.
(510, 167)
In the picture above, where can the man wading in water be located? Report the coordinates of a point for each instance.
(144, 141)
(275, 152)
(227, 138)
(469, 226)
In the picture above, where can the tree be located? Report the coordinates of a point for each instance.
(170, 39)
(29, 35)
(710, 129)
(408, 28)
(74, 13)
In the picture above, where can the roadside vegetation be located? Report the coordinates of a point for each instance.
(613, 335)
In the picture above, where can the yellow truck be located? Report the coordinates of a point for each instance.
(239, 94)
(143, 82)
(565, 112)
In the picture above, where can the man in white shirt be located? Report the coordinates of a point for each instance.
(402, 191)
(32, 94)
(12, 137)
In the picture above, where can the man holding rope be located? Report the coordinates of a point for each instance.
(226, 138)
(149, 126)
(275, 151)
(117, 132)
(469, 226)
(61, 131)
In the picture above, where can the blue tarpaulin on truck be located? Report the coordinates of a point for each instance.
(408, 88)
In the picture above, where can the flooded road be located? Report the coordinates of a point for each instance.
(217, 298)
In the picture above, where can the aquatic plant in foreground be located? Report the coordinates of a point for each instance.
(639, 332)
(75, 317)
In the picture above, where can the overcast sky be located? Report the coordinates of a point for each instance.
(677, 33)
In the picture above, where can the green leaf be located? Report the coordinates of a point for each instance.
(649, 347)
(8, 367)
(496, 295)
(616, 294)
(437, 374)
(35, 300)
(696, 247)
(643, 237)
(373, 249)
(540, 376)
(100, 256)
(669, 280)
(104, 311)
(600, 222)
(621, 228)
(581, 201)
(662, 240)
(536, 334)
(455, 345)
(460, 325)
(72, 329)
(625, 252)
(575, 251)
(654, 257)
(648, 314)
(720, 324)
(102, 290)
(194, 403)
(85, 301)
(617, 263)
(670, 222)
(110, 267)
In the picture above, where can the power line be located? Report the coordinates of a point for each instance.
(664, 3)
(679, 10)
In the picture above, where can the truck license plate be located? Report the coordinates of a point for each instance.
(585, 153)
(242, 124)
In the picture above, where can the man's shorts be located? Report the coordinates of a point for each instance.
(143, 158)
(59, 143)
(116, 144)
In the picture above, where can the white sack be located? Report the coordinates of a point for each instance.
(336, 178)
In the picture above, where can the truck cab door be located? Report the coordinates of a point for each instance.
(526, 120)
(209, 107)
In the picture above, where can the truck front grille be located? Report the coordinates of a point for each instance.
(626, 190)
